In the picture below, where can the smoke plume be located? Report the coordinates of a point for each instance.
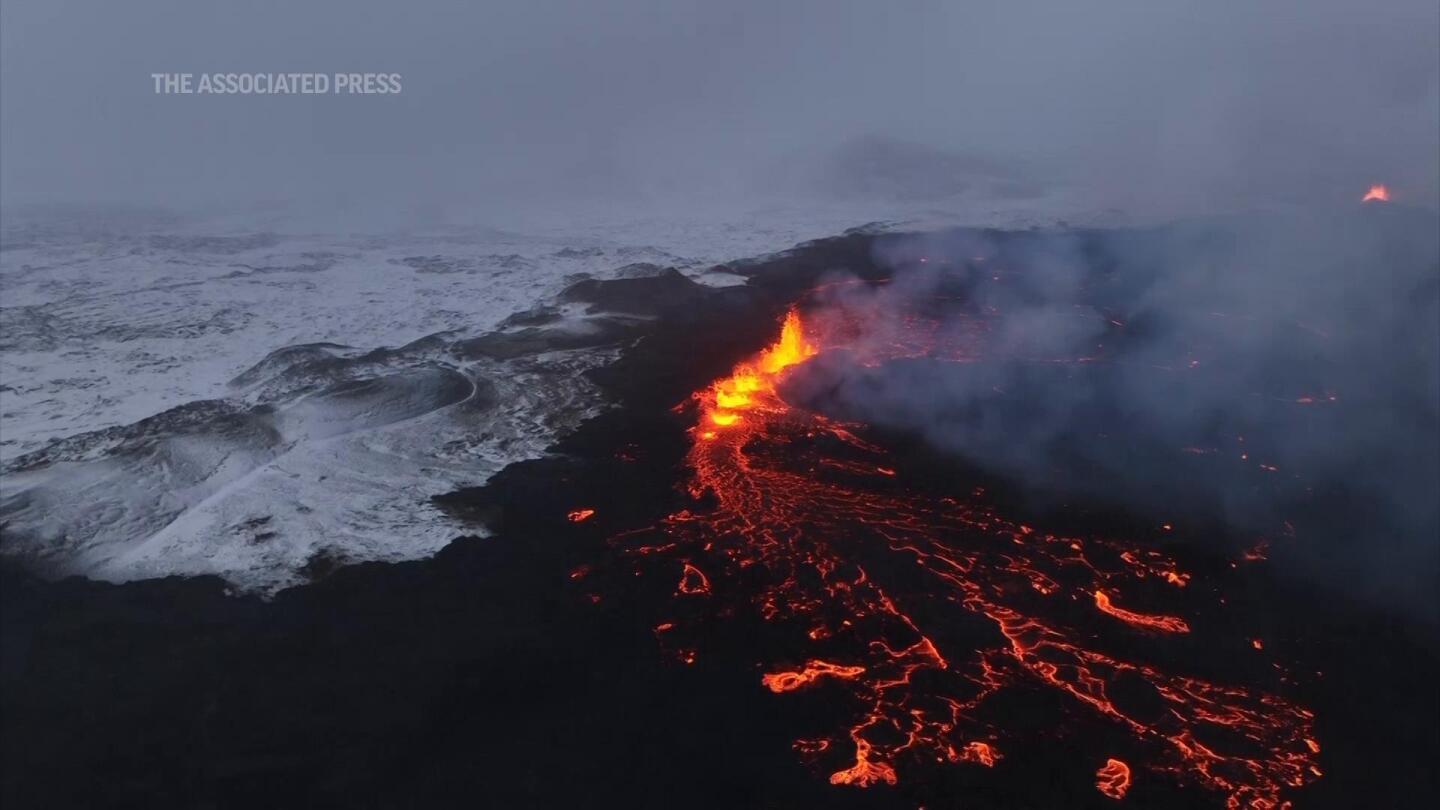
(1272, 375)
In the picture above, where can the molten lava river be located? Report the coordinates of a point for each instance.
(792, 508)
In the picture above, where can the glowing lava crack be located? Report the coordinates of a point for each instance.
(916, 701)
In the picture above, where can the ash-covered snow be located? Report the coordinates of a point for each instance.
(245, 399)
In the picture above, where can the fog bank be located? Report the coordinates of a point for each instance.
(1191, 106)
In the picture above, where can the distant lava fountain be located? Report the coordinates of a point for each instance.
(1377, 193)
(799, 519)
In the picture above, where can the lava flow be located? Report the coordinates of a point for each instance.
(802, 520)
(1113, 779)
(1168, 624)
(1377, 193)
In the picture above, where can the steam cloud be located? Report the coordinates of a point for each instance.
(1159, 369)
(1194, 105)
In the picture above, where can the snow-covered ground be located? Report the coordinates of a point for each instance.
(322, 451)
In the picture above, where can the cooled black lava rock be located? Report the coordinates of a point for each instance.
(647, 295)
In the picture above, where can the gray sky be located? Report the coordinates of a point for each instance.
(1227, 102)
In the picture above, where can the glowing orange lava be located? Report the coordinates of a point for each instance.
(978, 752)
(786, 681)
(1377, 193)
(693, 581)
(1113, 779)
(795, 507)
(578, 515)
(753, 384)
(1168, 624)
(864, 772)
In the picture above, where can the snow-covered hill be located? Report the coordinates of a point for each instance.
(215, 397)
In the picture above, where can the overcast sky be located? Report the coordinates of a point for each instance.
(1239, 102)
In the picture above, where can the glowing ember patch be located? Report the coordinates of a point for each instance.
(1168, 624)
(693, 581)
(577, 515)
(864, 772)
(1113, 779)
(814, 670)
(979, 752)
(1377, 193)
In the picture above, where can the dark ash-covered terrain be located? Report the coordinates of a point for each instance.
(490, 676)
